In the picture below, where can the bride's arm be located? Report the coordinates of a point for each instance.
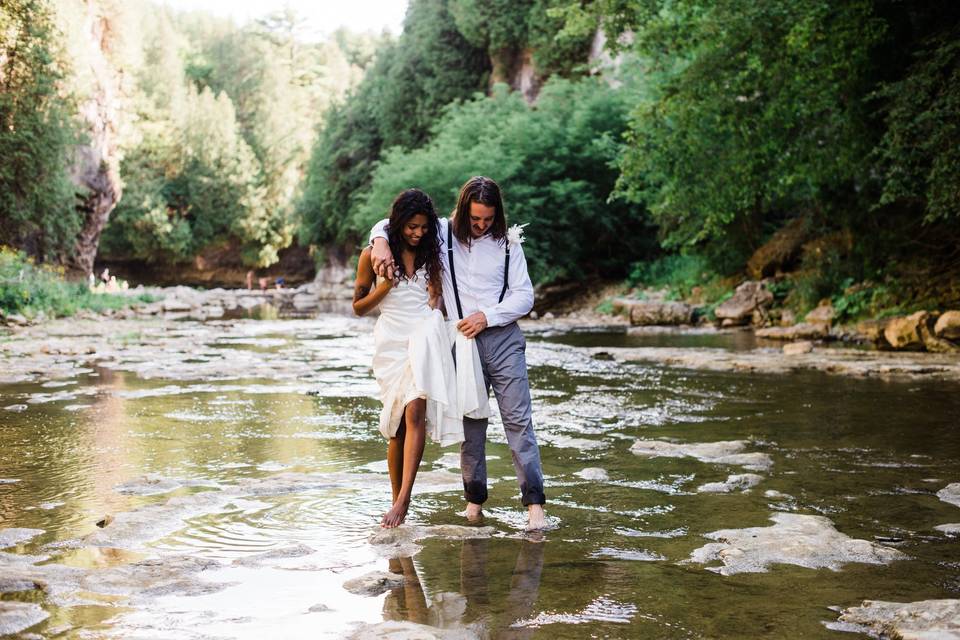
(365, 300)
(436, 300)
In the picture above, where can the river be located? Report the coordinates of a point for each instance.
(238, 475)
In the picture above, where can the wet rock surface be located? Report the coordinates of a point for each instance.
(740, 482)
(924, 620)
(373, 583)
(802, 540)
(727, 452)
(950, 493)
(17, 616)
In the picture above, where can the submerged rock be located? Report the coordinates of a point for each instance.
(14, 536)
(401, 541)
(374, 583)
(724, 452)
(803, 540)
(950, 493)
(740, 482)
(405, 630)
(17, 616)
(924, 620)
(593, 473)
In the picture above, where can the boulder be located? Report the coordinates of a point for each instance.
(934, 344)
(373, 583)
(802, 331)
(872, 330)
(948, 326)
(787, 318)
(823, 314)
(653, 312)
(797, 348)
(749, 297)
(904, 332)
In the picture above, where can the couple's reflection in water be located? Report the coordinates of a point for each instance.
(480, 607)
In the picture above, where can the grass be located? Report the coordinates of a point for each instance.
(37, 291)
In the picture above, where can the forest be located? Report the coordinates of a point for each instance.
(687, 144)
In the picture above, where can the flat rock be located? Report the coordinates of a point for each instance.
(952, 528)
(802, 540)
(797, 348)
(374, 583)
(800, 331)
(14, 536)
(148, 485)
(740, 482)
(950, 493)
(17, 616)
(923, 620)
(723, 452)
(16, 408)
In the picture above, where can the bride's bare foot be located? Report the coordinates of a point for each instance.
(396, 515)
(474, 512)
(536, 518)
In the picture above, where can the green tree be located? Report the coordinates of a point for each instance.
(37, 131)
(555, 163)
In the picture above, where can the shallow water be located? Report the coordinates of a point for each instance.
(263, 464)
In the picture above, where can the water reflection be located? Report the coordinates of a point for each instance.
(474, 607)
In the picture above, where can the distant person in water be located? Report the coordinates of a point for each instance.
(412, 361)
(495, 291)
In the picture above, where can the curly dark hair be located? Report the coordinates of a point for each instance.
(405, 206)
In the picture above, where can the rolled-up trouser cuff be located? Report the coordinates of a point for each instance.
(533, 496)
(475, 492)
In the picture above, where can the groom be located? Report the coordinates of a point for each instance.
(485, 282)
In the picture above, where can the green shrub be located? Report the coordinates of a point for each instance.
(29, 290)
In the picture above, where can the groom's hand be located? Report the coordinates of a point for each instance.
(382, 259)
(473, 324)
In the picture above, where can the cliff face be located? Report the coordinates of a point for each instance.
(515, 68)
(96, 163)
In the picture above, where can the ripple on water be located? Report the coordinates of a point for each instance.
(602, 609)
(612, 553)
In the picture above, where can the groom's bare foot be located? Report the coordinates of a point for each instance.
(396, 515)
(474, 512)
(536, 518)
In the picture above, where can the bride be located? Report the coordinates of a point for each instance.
(413, 363)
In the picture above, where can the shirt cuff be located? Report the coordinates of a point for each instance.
(493, 317)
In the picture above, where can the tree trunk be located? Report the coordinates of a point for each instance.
(96, 166)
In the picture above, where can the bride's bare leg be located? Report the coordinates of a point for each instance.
(414, 440)
(395, 460)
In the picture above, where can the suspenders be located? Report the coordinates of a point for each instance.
(453, 272)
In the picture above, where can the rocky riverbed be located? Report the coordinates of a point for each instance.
(166, 476)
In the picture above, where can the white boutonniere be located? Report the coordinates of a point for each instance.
(515, 234)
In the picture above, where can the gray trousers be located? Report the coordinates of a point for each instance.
(502, 354)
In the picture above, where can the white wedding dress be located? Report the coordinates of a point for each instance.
(412, 359)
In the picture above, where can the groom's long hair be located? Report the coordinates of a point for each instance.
(486, 192)
(406, 205)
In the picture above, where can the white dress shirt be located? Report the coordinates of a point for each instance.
(479, 268)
